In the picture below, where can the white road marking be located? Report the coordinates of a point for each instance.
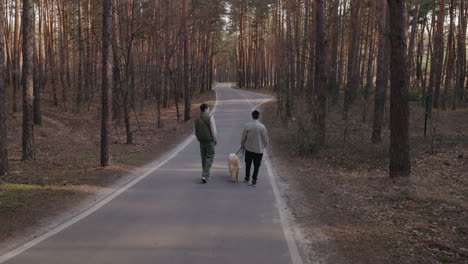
(285, 217)
(247, 99)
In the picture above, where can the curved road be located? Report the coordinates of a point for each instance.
(168, 217)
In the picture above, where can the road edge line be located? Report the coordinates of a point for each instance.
(286, 219)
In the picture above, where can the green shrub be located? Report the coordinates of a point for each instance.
(414, 96)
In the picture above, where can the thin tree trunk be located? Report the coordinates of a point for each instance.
(88, 59)
(341, 65)
(3, 114)
(167, 35)
(63, 54)
(79, 90)
(450, 57)
(461, 57)
(51, 55)
(297, 70)
(290, 60)
(37, 91)
(106, 81)
(186, 72)
(383, 60)
(321, 70)
(370, 64)
(333, 84)
(439, 52)
(16, 57)
(353, 62)
(305, 45)
(28, 80)
(414, 28)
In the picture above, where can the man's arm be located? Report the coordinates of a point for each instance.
(243, 138)
(265, 136)
(213, 129)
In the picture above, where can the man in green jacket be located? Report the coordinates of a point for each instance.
(205, 130)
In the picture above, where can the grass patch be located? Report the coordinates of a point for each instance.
(414, 96)
(87, 155)
(12, 186)
(10, 200)
(447, 259)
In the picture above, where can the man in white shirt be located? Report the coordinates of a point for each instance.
(254, 141)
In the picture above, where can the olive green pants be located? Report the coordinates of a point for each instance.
(207, 151)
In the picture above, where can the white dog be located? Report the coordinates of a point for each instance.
(234, 166)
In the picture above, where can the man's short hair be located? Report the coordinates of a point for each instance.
(203, 107)
(255, 114)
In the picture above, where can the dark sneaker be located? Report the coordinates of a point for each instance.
(254, 184)
(204, 180)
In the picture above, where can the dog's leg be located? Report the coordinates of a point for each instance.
(231, 173)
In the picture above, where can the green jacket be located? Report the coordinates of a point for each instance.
(201, 128)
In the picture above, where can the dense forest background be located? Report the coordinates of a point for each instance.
(316, 56)
(367, 61)
(82, 56)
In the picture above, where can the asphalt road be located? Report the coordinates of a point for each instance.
(169, 217)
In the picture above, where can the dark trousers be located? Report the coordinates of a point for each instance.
(256, 158)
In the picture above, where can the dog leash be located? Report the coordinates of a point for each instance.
(241, 151)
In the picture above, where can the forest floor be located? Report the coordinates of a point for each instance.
(344, 192)
(66, 170)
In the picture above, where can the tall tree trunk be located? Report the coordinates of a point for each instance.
(439, 52)
(383, 60)
(450, 57)
(89, 56)
(419, 59)
(341, 64)
(305, 45)
(461, 57)
(28, 80)
(37, 91)
(311, 69)
(399, 109)
(121, 93)
(353, 58)
(51, 53)
(3, 116)
(321, 70)
(297, 50)
(79, 90)
(167, 56)
(428, 90)
(187, 96)
(290, 60)
(63, 54)
(106, 81)
(333, 84)
(414, 28)
(16, 57)
(240, 67)
(370, 63)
